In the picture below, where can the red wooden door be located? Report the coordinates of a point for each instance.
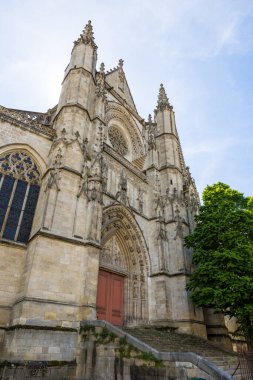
(110, 297)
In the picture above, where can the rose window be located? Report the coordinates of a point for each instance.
(118, 141)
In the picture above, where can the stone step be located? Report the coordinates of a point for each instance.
(139, 162)
(171, 341)
(224, 360)
(237, 377)
(230, 369)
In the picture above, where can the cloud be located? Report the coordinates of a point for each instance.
(200, 49)
(215, 146)
(202, 29)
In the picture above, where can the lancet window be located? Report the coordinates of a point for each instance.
(19, 191)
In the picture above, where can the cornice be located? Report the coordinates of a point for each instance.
(167, 274)
(124, 162)
(169, 134)
(71, 240)
(19, 120)
(78, 105)
(164, 167)
(79, 68)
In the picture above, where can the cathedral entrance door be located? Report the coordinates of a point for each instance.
(110, 297)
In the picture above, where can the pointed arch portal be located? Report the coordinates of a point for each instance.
(122, 295)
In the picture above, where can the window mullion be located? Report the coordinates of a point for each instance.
(9, 207)
(1, 180)
(22, 212)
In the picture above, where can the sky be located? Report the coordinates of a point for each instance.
(201, 50)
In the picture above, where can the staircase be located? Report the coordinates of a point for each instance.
(167, 340)
(139, 162)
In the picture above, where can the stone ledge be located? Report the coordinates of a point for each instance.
(50, 363)
(40, 327)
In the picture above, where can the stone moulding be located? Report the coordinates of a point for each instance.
(124, 162)
(114, 111)
(19, 119)
(72, 240)
(199, 361)
(27, 369)
(40, 327)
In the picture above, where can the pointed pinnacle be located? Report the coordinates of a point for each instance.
(88, 31)
(120, 64)
(149, 119)
(87, 35)
(163, 101)
(102, 68)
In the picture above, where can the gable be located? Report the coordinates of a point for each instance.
(117, 80)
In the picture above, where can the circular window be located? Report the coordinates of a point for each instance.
(118, 141)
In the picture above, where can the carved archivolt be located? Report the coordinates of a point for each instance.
(116, 112)
(120, 221)
(111, 255)
(124, 251)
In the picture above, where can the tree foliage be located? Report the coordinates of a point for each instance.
(223, 255)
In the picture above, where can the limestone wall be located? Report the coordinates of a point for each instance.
(12, 259)
(12, 136)
(59, 283)
(44, 345)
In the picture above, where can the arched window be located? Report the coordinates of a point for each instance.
(19, 190)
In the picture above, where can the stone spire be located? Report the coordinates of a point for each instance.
(87, 36)
(83, 56)
(163, 101)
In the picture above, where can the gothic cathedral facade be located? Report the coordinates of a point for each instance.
(94, 206)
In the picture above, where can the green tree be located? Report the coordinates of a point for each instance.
(222, 245)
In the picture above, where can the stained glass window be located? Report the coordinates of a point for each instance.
(19, 191)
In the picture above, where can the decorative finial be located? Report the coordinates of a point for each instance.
(152, 132)
(163, 101)
(121, 75)
(102, 68)
(100, 82)
(87, 36)
(120, 64)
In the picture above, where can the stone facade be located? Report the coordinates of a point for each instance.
(115, 194)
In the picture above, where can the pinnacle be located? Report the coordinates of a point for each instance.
(102, 68)
(149, 119)
(87, 36)
(163, 101)
(120, 64)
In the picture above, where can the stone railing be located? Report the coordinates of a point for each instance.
(202, 363)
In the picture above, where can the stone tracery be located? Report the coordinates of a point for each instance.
(115, 112)
(19, 191)
(117, 140)
(19, 165)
